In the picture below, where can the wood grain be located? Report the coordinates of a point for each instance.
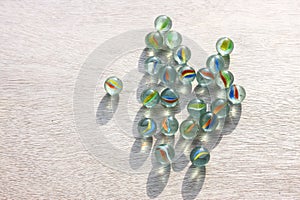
(43, 46)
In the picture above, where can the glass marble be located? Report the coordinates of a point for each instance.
(152, 65)
(189, 129)
(164, 154)
(163, 23)
(147, 127)
(168, 75)
(224, 46)
(154, 40)
(205, 77)
(186, 74)
(169, 98)
(209, 122)
(196, 108)
(169, 125)
(224, 79)
(199, 156)
(220, 107)
(150, 98)
(236, 94)
(182, 54)
(215, 63)
(113, 85)
(173, 39)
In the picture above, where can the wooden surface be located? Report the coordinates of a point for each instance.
(44, 45)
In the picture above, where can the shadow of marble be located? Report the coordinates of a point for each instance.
(193, 182)
(157, 181)
(106, 109)
(232, 120)
(140, 151)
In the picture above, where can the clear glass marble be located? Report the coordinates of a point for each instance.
(186, 74)
(168, 75)
(224, 46)
(169, 98)
(164, 154)
(169, 125)
(196, 108)
(189, 129)
(147, 127)
(113, 85)
(236, 94)
(163, 23)
(152, 65)
(182, 54)
(150, 98)
(209, 122)
(224, 79)
(199, 156)
(154, 40)
(215, 63)
(220, 107)
(173, 39)
(205, 77)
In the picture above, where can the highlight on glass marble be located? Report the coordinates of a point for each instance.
(169, 125)
(164, 154)
(182, 54)
(215, 63)
(169, 98)
(113, 85)
(173, 39)
(196, 108)
(152, 65)
(168, 75)
(205, 77)
(220, 107)
(236, 94)
(199, 156)
(154, 40)
(163, 23)
(150, 98)
(224, 79)
(209, 122)
(224, 46)
(147, 127)
(186, 74)
(189, 129)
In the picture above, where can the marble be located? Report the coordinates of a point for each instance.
(189, 129)
(220, 107)
(215, 63)
(113, 85)
(164, 154)
(182, 54)
(196, 108)
(205, 77)
(154, 40)
(169, 98)
(209, 122)
(199, 156)
(168, 75)
(172, 39)
(224, 79)
(236, 94)
(169, 125)
(224, 46)
(152, 65)
(150, 98)
(186, 74)
(147, 127)
(163, 23)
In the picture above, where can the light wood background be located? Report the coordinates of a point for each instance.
(43, 45)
